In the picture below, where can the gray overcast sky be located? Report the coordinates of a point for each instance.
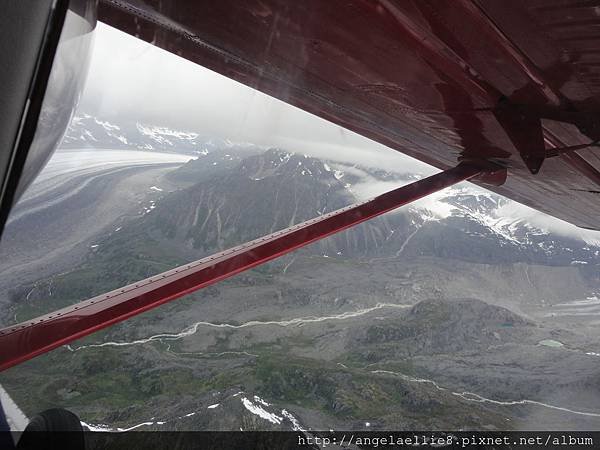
(130, 79)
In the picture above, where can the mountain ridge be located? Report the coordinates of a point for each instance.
(247, 196)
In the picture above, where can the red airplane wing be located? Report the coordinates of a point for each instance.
(514, 82)
(491, 84)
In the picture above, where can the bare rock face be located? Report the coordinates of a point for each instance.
(443, 326)
(238, 194)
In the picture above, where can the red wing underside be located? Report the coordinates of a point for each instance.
(513, 84)
(425, 77)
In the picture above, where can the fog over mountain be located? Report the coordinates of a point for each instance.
(155, 93)
(143, 83)
(87, 131)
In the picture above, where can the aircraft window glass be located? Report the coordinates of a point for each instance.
(463, 310)
(166, 162)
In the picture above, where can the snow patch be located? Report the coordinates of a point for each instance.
(261, 401)
(106, 125)
(123, 139)
(96, 427)
(295, 424)
(144, 424)
(261, 412)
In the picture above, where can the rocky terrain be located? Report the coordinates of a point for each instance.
(447, 314)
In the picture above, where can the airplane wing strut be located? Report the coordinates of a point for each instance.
(28, 339)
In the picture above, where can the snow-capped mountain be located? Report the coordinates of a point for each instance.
(237, 196)
(300, 187)
(90, 131)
